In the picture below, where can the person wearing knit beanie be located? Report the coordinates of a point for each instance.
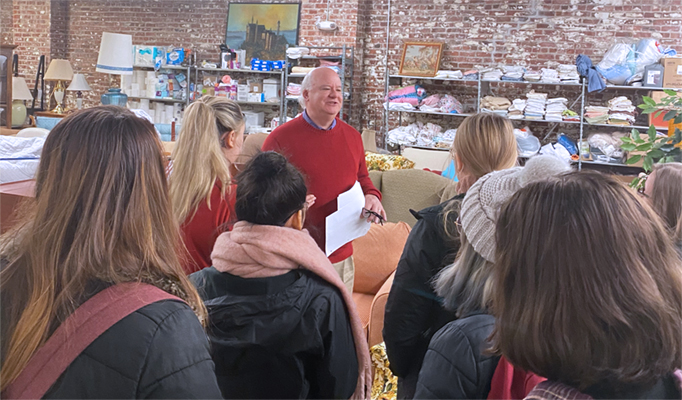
(455, 365)
(484, 199)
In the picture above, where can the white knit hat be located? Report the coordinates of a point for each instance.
(483, 200)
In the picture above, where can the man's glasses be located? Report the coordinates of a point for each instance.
(367, 213)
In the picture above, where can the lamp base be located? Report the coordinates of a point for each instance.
(18, 113)
(114, 97)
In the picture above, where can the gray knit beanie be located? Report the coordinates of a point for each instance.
(484, 199)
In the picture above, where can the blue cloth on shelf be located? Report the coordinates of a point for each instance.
(587, 70)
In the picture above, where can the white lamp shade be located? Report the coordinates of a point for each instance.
(79, 84)
(20, 89)
(115, 54)
(59, 70)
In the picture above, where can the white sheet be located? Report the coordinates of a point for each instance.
(347, 222)
(19, 158)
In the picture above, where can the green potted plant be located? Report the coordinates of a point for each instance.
(653, 147)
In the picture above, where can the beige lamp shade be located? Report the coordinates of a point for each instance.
(79, 84)
(59, 70)
(20, 89)
(115, 54)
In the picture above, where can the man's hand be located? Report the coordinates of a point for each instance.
(373, 203)
(310, 200)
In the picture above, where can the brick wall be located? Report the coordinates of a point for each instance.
(533, 33)
(6, 22)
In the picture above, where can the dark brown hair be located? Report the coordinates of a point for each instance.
(101, 214)
(587, 286)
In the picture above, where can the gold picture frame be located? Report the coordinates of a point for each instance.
(421, 58)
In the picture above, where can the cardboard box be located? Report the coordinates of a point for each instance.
(672, 77)
(255, 87)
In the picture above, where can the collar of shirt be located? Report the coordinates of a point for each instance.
(316, 126)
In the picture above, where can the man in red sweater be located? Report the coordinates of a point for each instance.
(330, 155)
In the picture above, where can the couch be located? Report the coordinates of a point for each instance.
(405, 189)
(376, 257)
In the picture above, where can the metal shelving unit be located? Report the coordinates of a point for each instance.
(345, 54)
(282, 79)
(484, 87)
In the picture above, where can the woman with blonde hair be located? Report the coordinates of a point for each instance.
(203, 164)
(101, 228)
(456, 365)
(663, 188)
(484, 143)
(586, 291)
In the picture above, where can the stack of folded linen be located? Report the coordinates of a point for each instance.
(554, 109)
(532, 76)
(516, 109)
(596, 114)
(471, 74)
(621, 111)
(293, 89)
(568, 73)
(491, 74)
(446, 74)
(535, 106)
(550, 76)
(513, 73)
(498, 105)
(571, 116)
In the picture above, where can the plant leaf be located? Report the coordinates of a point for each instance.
(633, 159)
(644, 147)
(635, 183)
(635, 135)
(652, 133)
(648, 163)
(669, 115)
(669, 159)
(670, 92)
(628, 146)
(649, 101)
(626, 139)
(656, 154)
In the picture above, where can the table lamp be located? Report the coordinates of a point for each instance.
(20, 93)
(115, 58)
(79, 85)
(60, 71)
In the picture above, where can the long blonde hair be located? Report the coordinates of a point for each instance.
(198, 159)
(666, 197)
(101, 214)
(484, 143)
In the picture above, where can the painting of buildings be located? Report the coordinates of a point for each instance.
(263, 30)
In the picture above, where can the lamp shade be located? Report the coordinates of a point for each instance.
(59, 70)
(20, 89)
(115, 54)
(79, 84)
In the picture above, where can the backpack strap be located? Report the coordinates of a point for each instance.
(77, 332)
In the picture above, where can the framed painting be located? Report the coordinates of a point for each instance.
(420, 59)
(262, 29)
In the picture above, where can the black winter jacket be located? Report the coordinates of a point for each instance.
(413, 311)
(158, 352)
(456, 365)
(282, 337)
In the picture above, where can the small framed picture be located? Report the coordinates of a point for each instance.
(420, 59)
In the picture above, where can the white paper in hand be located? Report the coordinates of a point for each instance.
(347, 222)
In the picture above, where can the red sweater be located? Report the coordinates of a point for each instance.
(200, 231)
(331, 161)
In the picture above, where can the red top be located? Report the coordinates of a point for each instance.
(331, 160)
(201, 231)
